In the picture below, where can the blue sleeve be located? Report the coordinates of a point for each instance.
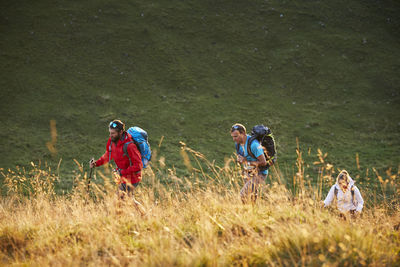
(256, 149)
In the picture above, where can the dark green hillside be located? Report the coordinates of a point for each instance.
(324, 71)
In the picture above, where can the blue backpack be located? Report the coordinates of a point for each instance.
(140, 138)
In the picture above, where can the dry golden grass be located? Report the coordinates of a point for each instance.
(190, 221)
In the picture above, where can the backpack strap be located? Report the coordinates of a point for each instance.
(352, 195)
(109, 152)
(336, 192)
(237, 146)
(249, 142)
(125, 148)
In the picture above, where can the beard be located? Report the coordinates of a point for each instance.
(115, 139)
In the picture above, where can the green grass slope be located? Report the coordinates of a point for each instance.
(323, 71)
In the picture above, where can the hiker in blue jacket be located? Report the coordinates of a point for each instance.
(253, 174)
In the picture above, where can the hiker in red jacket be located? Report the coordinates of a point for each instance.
(121, 148)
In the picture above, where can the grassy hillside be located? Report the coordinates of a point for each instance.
(326, 72)
(191, 222)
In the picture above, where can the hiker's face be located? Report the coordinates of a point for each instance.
(343, 184)
(237, 136)
(114, 134)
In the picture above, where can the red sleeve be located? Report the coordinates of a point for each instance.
(105, 158)
(136, 159)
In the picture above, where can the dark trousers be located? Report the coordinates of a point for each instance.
(126, 189)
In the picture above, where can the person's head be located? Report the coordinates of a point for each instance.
(343, 180)
(116, 128)
(238, 133)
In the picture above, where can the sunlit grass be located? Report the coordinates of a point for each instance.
(196, 220)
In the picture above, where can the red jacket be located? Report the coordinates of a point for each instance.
(130, 173)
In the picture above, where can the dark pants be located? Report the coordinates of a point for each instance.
(126, 189)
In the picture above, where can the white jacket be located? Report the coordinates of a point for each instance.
(345, 200)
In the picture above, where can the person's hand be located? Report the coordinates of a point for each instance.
(248, 166)
(92, 163)
(117, 171)
(241, 159)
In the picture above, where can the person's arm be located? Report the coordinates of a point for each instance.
(240, 158)
(136, 160)
(359, 199)
(329, 198)
(105, 158)
(261, 161)
(258, 151)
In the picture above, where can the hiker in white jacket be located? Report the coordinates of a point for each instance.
(347, 195)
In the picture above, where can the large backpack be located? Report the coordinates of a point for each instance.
(263, 135)
(140, 138)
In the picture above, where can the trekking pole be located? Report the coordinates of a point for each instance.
(89, 179)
